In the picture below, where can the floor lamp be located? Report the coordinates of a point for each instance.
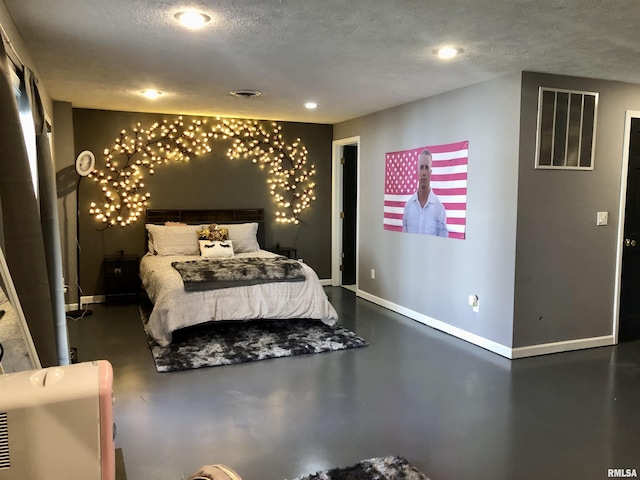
(85, 163)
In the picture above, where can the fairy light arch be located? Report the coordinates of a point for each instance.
(141, 151)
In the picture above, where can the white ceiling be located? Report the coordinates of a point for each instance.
(352, 57)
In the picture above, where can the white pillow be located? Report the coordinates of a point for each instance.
(174, 240)
(216, 248)
(150, 238)
(243, 236)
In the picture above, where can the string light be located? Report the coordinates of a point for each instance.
(145, 149)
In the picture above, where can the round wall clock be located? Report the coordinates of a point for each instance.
(85, 163)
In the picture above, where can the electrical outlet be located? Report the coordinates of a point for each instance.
(73, 355)
(373, 273)
(474, 303)
(301, 260)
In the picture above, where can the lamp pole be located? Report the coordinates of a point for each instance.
(84, 165)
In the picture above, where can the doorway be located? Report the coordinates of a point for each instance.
(344, 259)
(629, 316)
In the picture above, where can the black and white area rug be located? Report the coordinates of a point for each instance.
(381, 468)
(227, 343)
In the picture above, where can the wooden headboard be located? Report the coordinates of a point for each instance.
(236, 215)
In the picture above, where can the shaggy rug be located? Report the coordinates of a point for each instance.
(382, 468)
(227, 343)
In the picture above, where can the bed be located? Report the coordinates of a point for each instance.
(169, 244)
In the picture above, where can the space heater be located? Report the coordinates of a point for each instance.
(57, 423)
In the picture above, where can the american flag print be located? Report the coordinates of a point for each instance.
(448, 182)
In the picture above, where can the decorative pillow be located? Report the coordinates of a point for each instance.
(173, 239)
(244, 236)
(216, 249)
(213, 232)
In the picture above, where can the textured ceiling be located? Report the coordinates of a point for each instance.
(352, 57)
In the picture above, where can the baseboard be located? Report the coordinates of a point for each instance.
(508, 352)
(439, 325)
(565, 346)
(94, 299)
(85, 301)
(101, 298)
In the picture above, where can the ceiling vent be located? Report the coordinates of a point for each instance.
(245, 93)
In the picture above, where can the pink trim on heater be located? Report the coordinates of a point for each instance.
(107, 445)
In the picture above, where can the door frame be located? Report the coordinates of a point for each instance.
(629, 115)
(336, 208)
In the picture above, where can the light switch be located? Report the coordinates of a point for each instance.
(602, 218)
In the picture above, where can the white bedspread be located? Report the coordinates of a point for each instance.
(174, 308)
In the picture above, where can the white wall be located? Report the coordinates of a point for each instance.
(430, 278)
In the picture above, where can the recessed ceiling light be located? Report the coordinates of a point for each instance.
(193, 19)
(245, 93)
(448, 52)
(311, 105)
(151, 94)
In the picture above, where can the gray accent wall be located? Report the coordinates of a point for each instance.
(206, 182)
(544, 272)
(565, 264)
(434, 276)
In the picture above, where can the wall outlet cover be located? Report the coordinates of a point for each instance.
(602, 218)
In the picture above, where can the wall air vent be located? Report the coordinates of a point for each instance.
(4, 442)
(566, 129)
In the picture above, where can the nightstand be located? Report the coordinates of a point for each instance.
(121, 278)
(286, 251)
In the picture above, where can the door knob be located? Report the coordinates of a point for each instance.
(629, 243)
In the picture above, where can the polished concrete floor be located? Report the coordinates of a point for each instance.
(454, 410)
